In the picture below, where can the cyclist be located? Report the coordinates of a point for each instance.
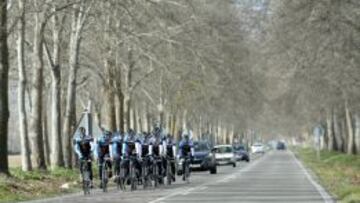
(159, 143)
(146, 145)
(170, 152)
(102, 151)
(186, 147)
(131, 146)
(116, 151)
(83, 146)
(146, 155)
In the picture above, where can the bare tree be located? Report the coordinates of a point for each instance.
(24, 136)
(79, 18)
(4, 105)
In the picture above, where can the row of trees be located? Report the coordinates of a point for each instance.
(178, 62)
(222, 68)
(316, 48)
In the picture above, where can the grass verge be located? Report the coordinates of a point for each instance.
(339, 173)
(36, 184)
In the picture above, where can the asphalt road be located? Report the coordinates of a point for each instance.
(274, 177)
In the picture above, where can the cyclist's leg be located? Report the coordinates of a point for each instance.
(90, 169)
(173, 168)
(101, 161)
(81, 163)
(116, 166)
(109, 168)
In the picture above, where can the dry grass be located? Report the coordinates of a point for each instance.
(36, 184)
(14, 160)
(338, 172)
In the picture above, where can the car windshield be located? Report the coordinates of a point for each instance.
(239, 147)
(200, 147)
(222, 150)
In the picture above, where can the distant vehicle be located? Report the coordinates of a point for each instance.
(203, 158)
(258, 148)
(280, 146)
(241, 153)
(224, 155)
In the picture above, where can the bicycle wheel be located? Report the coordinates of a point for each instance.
(104, 177)
(132, 176)
(122, 179)
(187, 172)
(86, 179)
(117, 176)
(144, 175)
(155, 174)
(168, 172)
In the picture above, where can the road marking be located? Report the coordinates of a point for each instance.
(185, 192)
(326, 197)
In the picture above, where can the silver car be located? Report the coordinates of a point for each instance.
(224, 155)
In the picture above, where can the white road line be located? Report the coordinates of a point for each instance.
(326, 197)
(202, 186)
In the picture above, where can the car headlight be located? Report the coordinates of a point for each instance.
(210, 155)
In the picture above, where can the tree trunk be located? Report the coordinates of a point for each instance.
(46, 135)
(4, 74)
(148, 118)
(357, 133)
(134, 118)
(184, 119)
(343, 134)
(24, 135)
(337, 133)
(110, 108)
(120, 110)
(137, 119)
(74, 47)
(350, 130)
(329, 131)
(218, 133)
(144, 121)
(127, 112)
(110, 116)
(56, 157)
(35, 131)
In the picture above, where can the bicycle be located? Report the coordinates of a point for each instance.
(145, 171)
(169, 172)
(157, 176)
(105, 172)
(85, 173)
(133, 172)
(118, 182)
(186, 169)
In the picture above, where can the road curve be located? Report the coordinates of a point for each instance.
(275, 177)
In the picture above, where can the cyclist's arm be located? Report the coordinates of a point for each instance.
(138, 148)
(111, 150)
(164, 146)
(174, 150)
(192, 149)
(161, 149)
(77, 149)
(181, 149)
(124, 148)
(96, 149)
(150, 149)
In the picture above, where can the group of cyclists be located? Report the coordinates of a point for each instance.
(132, 159)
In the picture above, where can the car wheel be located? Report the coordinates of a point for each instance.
(213, 170)
(247, 160)
(234, 165)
